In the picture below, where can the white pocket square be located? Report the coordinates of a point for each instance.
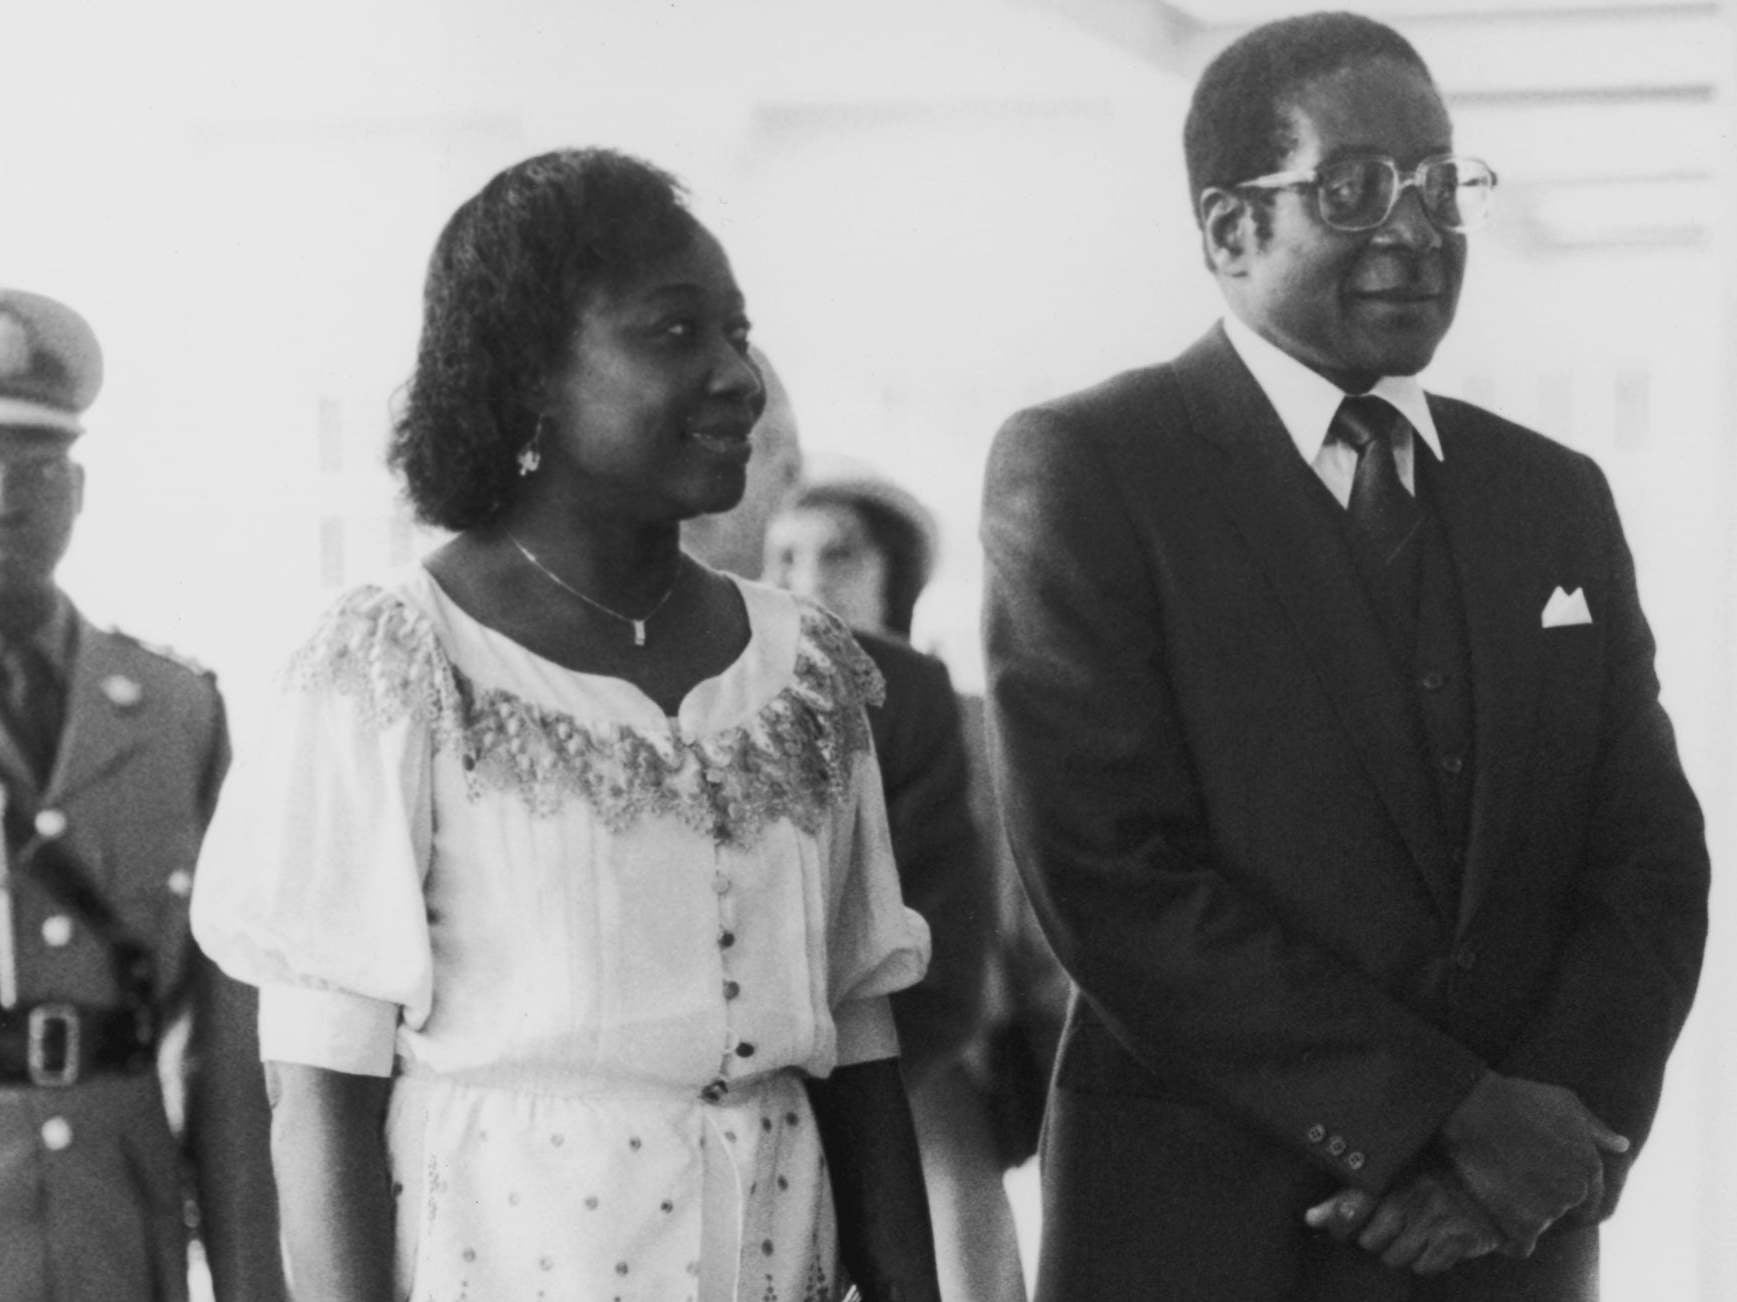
(1565, 608)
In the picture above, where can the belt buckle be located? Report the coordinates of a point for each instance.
(43, 1019)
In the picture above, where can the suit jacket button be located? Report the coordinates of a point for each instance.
(1336, 1145)
(1317, 1133)
(1354, 1161)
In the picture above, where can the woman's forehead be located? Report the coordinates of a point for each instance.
(697, 269)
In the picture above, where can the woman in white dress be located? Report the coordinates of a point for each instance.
(567, 884)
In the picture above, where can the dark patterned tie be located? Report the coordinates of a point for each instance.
(31, 701)
(1381, 508)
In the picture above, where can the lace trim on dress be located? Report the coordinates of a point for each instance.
(792, 761)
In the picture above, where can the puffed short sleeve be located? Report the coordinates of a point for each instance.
(310, 883)
(875, 944)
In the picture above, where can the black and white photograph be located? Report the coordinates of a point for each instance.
(943, 651)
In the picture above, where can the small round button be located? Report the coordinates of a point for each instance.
(1452, 764)
(726, 939)
(721, 883)
(1432, 682)
(56, 1134)
(56, 930)
(732, 989)
(180, 883)
(744, 1050)
(50, 824)
(1317, 1133)
(1335, 1145)
(1354, 1161)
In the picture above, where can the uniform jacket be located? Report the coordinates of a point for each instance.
(936, 842)
(1288, 981)
(94, 1182)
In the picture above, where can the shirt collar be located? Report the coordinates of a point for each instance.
(53, 637)
(1306, 400)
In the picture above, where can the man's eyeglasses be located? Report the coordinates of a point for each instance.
(1359, 194)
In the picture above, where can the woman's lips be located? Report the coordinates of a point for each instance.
(725, 438)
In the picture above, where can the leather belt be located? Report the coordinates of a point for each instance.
(58, 1044)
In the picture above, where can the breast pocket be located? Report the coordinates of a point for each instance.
(1570, 699)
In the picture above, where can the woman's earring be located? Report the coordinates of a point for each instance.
(530, 457)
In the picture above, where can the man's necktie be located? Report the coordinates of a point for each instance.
(1381, 508)
(31, 703)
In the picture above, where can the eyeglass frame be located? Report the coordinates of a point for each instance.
(1310, 177)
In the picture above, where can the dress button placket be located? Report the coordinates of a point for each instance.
(729, 988)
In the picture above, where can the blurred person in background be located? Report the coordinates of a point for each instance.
(130, 1088)
(1329, 742)
(864, 548)
(567, 878)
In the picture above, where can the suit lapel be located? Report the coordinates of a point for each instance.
(16, 774)
(107, 714)
(1269, 492)
(1486, 513)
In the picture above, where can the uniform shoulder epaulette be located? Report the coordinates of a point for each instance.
(162, 652)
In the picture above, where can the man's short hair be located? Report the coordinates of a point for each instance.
(1239, 123)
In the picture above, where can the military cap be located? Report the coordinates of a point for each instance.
(51, 366)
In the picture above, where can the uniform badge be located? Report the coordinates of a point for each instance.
(123, 692)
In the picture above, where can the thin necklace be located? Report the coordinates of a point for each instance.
(638, 625)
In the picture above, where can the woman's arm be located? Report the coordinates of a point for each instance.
(328, 1150)
(877, 1182)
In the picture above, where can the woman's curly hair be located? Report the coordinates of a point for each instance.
(509, 275)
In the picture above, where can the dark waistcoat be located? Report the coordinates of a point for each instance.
(1416, 598)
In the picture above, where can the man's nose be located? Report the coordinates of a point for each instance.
(802, 576)
(1409, 223)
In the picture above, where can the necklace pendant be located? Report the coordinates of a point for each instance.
(638, 631)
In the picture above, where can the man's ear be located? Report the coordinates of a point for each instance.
(1226, 230)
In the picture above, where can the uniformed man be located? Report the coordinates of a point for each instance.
(111, 755)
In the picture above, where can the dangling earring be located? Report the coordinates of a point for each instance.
(530, 457)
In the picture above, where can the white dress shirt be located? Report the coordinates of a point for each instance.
(1306, 401)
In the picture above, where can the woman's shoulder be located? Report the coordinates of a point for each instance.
(811, 648)
(379, 642)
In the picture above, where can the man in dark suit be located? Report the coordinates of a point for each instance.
(1329, 743)
(111, 754)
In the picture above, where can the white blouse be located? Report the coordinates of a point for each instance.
(551, 910)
